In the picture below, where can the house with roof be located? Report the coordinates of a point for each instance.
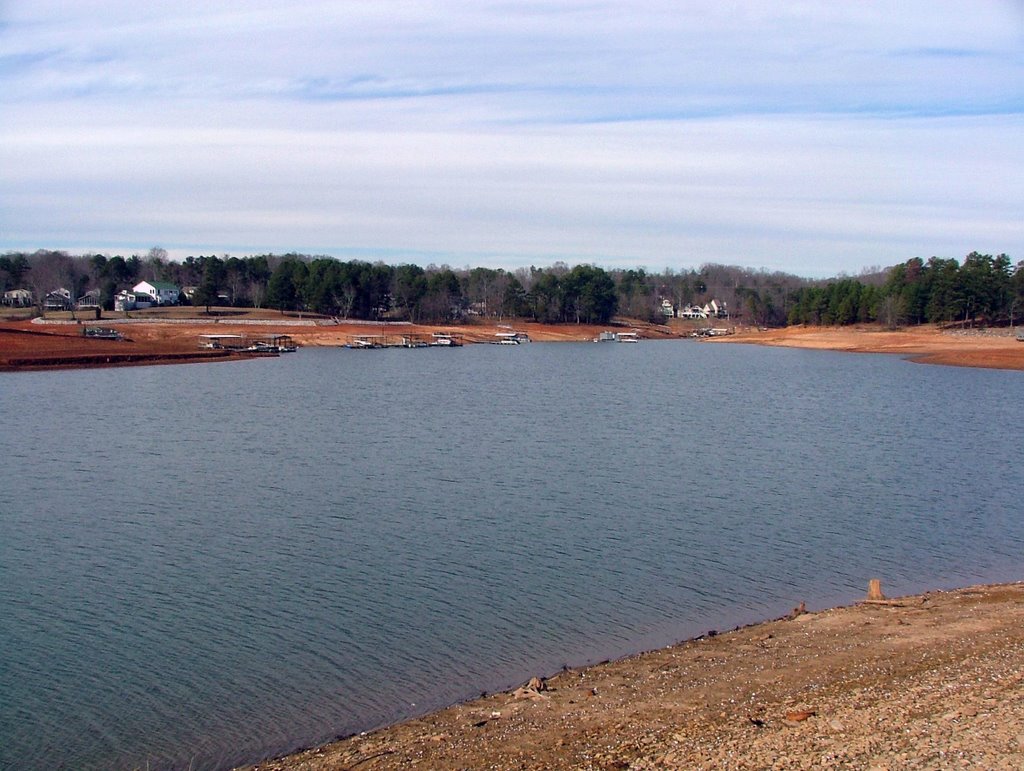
(716, 311)
(18, 298)
(58, 300)
(127, 300)
(90, 299)
(161, 292)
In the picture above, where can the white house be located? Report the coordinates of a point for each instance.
(711, 310)
(716, 311)
(162, 292)
(129, 301)
(18, 298)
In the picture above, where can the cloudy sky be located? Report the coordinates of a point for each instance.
(812, 137)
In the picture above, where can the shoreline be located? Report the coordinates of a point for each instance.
(982, 349)
(922, 681)
(154, 340)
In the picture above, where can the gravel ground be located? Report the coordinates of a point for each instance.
(934, 681)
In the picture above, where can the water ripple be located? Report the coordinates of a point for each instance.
(324, 543)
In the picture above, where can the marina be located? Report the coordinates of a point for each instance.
(259, 344)
(381, 341)
(508, 336)
(632, 336)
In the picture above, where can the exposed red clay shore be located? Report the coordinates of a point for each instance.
(25, 345)
(997, 349)
(151, 340)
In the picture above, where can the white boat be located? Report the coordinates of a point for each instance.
(445, 340)
(508, 336)
(629, 337)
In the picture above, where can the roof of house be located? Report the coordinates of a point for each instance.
(159, 284)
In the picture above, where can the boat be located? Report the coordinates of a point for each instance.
(262, 349)
(283, 343)
(446, 340)
(103, 333)
(367, 342)
(618, 337)
(223, 342)
(508, 336)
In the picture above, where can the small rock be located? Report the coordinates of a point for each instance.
(799, 715)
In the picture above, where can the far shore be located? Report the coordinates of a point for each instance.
(928, 681)
(174, 337)
(927, 344)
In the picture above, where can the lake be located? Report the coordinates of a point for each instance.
(205, 565)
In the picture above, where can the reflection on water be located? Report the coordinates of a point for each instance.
(208, 564)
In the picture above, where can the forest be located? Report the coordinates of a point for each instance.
(980, 288)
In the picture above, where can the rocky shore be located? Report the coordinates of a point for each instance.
(924, 682)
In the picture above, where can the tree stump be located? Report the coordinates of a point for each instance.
(875, 589)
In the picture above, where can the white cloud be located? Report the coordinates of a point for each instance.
(809, 137)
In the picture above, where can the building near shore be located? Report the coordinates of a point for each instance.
(161, 292)
(91, 299)
(58, 300)
(130, 301)
(18, 298)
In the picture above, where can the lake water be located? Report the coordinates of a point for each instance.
(208, 564)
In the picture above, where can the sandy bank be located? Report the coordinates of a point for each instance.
(931, 681)
(997, 349)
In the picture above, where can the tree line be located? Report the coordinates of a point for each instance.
(936, 290)
(981, 288)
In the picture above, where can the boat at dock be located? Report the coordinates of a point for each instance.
(618, 337)
(265, 344)
(509, 336)
(446, 340)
